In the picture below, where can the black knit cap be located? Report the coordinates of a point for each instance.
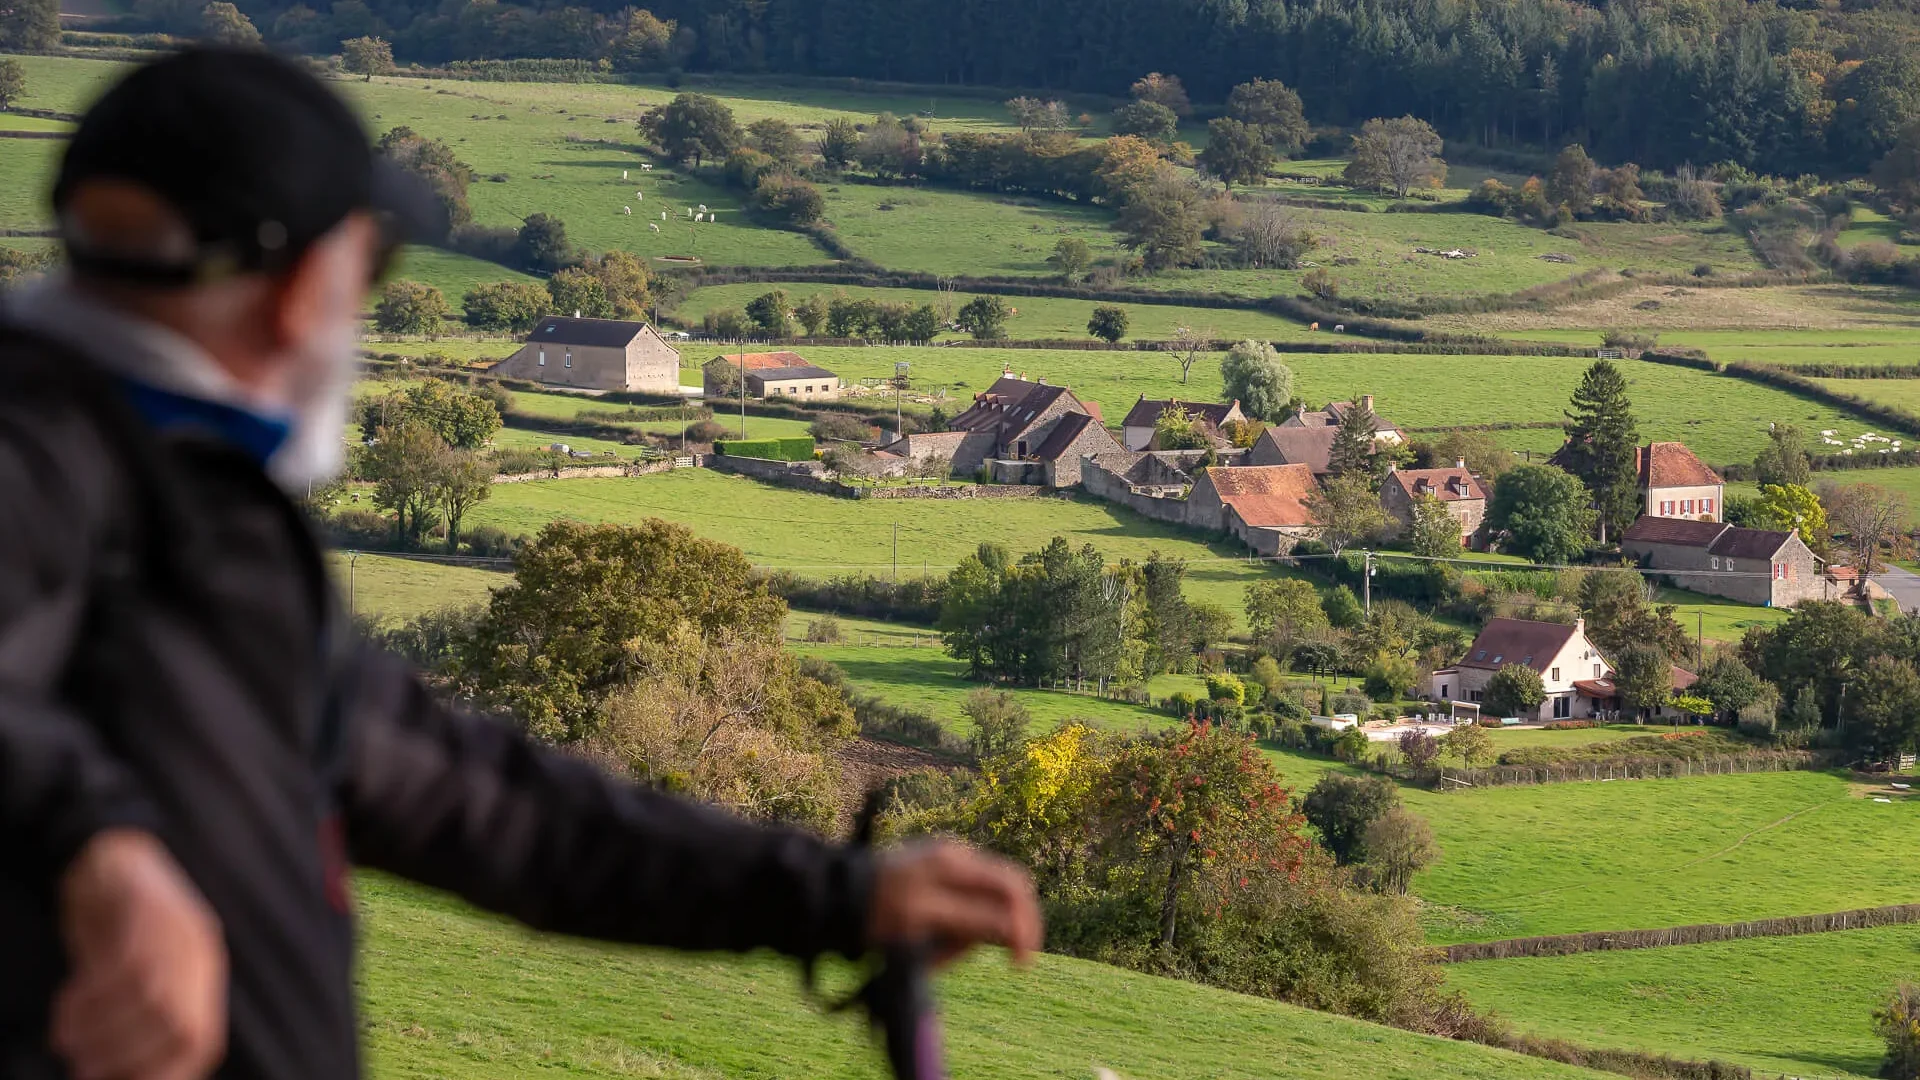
(253, 151)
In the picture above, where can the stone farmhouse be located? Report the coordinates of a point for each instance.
(1329, 417)
(1136, 431)
(1459, 489)
(782, 374)
(1023, 433)
(1753, 566)
(1577, 677)
(1265, 506)
(595, 354)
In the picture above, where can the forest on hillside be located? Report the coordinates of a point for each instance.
(1777, 86)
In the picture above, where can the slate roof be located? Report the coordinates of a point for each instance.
(1671, 464)
(1063, 434)
(594, 333)
(1265, 496)
(1010, 405)
(1447, 485)
(1329, 417)
(1517, 641)
(1718, 538)
(1606, 688)
(782, 374)
(1146, 412)
(1309, 446)
(1662, 530)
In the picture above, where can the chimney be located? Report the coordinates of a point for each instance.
(1366, 402)
(1392, 468)
(1459, 463)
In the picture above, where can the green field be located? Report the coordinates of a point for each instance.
(821, 537)
(937, 231)
(1714, 618)
(1900, 393)
(451, 273)
(1036, 317)
(1795, 1005)
(1868, 226)
(1567, 858)
(394, 589)
(1722, 418)
(447, 992)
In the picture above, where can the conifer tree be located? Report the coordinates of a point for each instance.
(1352, 450)
(1601, 440)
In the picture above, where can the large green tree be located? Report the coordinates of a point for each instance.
(504, 305)
(1601, 444)
(13, 82)
(1253, 374)
(1168, 624)
(1514, 690)
(1541, 513)
(410, 307)
(1784, 459)
(1342, 807)
(1883, 708)
(1236, 153)
(584, 598)
(460, 418)
(692, 127)
(1353, 442)
(1571, 184)
(1273, 109)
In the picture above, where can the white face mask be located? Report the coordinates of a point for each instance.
(320, 397)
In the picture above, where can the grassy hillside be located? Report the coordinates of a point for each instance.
(1794, 1005)
(393, 589)
(1565, 858)
(821, 537)
(451, 993)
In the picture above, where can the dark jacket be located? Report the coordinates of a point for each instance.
(168, 660)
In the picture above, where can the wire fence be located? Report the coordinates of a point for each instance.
(1630, 768)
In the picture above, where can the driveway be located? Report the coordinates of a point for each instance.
(1903, 585)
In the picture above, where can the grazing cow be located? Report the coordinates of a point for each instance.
(663, 215)
(623, 174)
(627, 210)
(652, 226)
(646, 168)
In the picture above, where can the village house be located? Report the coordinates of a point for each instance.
(1457, 488)
(1136, 431)
(1559, 652)
(782, 374)
(1753, 566)
(1673, 481)
(595, 354)
(1329, 417)
(1309, 446)
(1024, 432)
(1265, 506)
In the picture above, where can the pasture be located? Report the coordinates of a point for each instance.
(1567, 858)
(1796, 1006)
(1706, 316)
(1722, 418)
(818, 536)
(938, 231)
(393, 590)
(450, 992)
(1036, 316)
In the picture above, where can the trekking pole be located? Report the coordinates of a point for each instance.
(898, 997)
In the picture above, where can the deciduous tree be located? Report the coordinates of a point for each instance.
(541, 244)
(1108, 323)
(984, 317)
(1342, 807)
(775, 138)
(1163, 90)
(13, 82)
(1469, 744)
(1272, 108)
(222, 23)
(1571, 184)
(410, 307)
(999, 722)
(1147, 119)
(1514, 690)
(1160, 218)
(1785, 507)
(1434, 532)
(367, 56)
(692, 127)
(1071, 257)
(1871, 522)
(1347, 510)
(459, 418)
(1644, 675)
(1398, 844)
(1253, 374)
(505, 305)
(769, 312)
(1542, 513)
(1236, 153)
(1883, 708)
(461, 481)
(1396, 155)
(1784, 460)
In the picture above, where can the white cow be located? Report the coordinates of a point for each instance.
(703, 206)
(652, 226)
(646, 168)
(639, 196)
(623, 174)
(663, 215)
(627, 210)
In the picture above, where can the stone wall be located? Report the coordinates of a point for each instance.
(579, 472)
(807, 477)
(1114, 488)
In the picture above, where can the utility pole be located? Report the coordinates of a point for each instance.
(896, 552)
(352, 557)
(743, 389)
(1700, 638)
(1366, 584)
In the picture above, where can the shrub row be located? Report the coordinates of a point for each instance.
(1781, 378)
(1601, 940)
(1686, 358)
(1628, 768)
(913, 601)
(1636, 1063)
(786, 448)
(1509, 425)
(1697, 743)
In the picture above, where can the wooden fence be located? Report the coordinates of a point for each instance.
(1648, 768)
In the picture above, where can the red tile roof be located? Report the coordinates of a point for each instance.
(1447, 485)
(1517, 641)
(1671, 464)
(766, 361)
(1265, 496)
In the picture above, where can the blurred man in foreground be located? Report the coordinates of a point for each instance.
(192, 753)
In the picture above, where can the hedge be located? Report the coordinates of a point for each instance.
(790, 448)
(1601, 940)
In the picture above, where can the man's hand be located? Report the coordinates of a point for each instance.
(954, 898)
(147, 997)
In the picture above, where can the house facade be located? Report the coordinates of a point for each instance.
(1559, 652)
(1264, 506)
(1074, 439)
(1458, 489)
(1023, 432)
(1136, 431)
(595, 354)
(769, 375)
(1675, 483)
(1753, 566)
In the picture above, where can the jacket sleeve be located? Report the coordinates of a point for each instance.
(467, 804)
(58, 784)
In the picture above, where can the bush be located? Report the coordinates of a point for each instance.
(1357, 704)
(790, 202)
(493, 542)
(1570, 725)
(1342, 807)
(790, 448)
(1898, 1022)
(1180, 704)
(999, 722)
(823, 630)
(841, 427)
(1226, 687)
(703, 431)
